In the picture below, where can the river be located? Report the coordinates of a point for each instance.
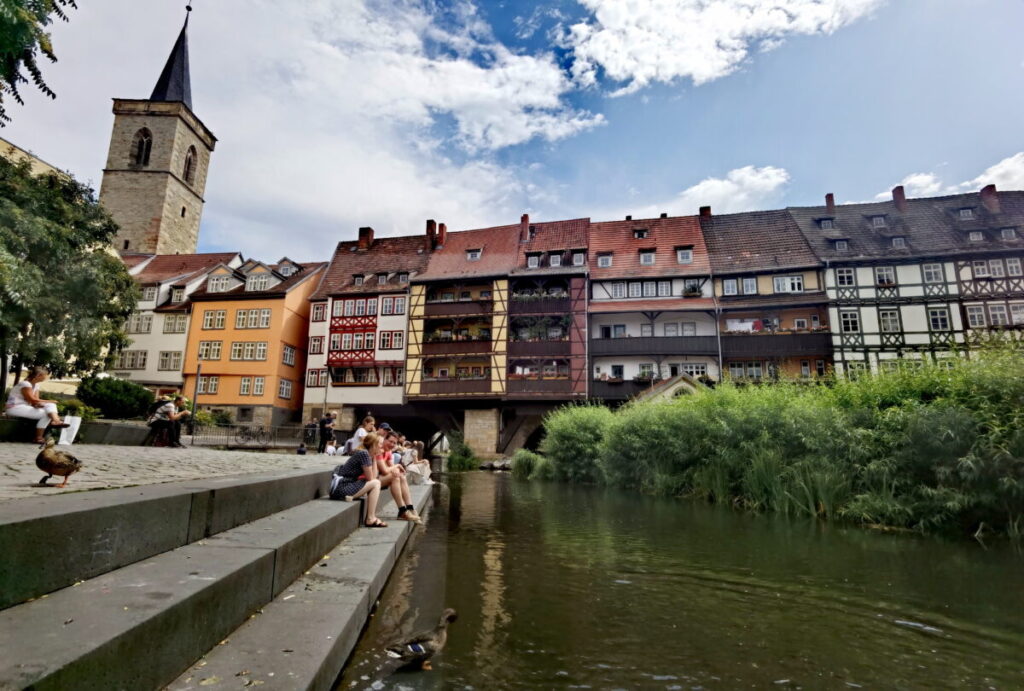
(590, 588)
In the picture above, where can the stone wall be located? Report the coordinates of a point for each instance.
(481, 432)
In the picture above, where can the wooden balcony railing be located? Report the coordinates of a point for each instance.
(540, 386)
(457, 347)
(458, 309)
(560, 305)
(776, 345)
(560, 348)
(655, 345)
(455, 386)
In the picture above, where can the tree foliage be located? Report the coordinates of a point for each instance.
(64, 295)
(117, 399)
(23, 38)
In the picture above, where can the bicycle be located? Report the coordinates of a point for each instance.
(252, 434)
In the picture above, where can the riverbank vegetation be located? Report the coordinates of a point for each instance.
(933, 448)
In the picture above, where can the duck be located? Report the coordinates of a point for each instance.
(55, 462)
(420, 648)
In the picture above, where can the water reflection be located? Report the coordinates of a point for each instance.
(561, 587)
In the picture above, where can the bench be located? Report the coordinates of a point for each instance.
(19, 429)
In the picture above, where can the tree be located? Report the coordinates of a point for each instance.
(23, 37)
(64, 293)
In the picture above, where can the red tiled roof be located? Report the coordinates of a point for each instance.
(133, 260)
(167, 266)
(755, 241)
(394, 255)
(663, 235)
(308, 270)
(499, 250)
(662, 305)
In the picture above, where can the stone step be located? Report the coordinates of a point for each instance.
(140, 626)
(302, 639)
(49, 543)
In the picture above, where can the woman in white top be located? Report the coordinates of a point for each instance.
(357, 439)
(23, 401)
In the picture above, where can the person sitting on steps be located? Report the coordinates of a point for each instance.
(393, 476)
(24, 402)
(357, 477)
(167, 420)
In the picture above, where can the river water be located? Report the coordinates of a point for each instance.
(588, 588)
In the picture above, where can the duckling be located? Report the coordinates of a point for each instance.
(54, 462)
(420, 648)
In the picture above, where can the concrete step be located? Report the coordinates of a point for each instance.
(49, 543)
(302, 639)
(140, 626)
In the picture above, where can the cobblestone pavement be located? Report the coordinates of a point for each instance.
(105, 466)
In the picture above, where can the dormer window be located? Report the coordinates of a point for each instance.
(286, 270)
(640, 233)
(532, 232)
(403, 278)
(473, 255)
(218, 284)
(841, 245)
(555, 260)
(647, 257)
(1008, 233)
(178, 295)
(382, 279)
(532, 261)
(975, 236)
(149, 294)
(966, 214)
(899, 243)
(878, 221)
(684, 255)
(357, 280)
(257, 281)
(578, 258)
(604, 261)
(827, 223)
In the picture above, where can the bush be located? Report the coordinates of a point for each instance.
(73, 406)
(222, 417)
(460, 456)
(116, 399)
(572, 441)
(523, 463)
(204, 418)
(544, 469)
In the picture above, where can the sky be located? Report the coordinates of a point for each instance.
(336, 114)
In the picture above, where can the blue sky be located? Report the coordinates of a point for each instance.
(334, 114)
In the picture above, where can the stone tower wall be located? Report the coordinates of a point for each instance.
(158, 212)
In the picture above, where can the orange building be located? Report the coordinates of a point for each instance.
(246, 351)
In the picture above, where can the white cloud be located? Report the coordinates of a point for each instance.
(742, 189)
(1007, 174)
(637, 42)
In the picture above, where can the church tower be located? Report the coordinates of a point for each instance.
(156, 169)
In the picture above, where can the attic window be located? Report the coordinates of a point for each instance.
(382, 279)
(257, 282)
(841, 245)
(899, 243)
(286, 270)
(473, 255)
(149, 293)
(1008, 233)
(647, 257)
(878, 221)
(966, 214)
(403, 278)
(604, 261)
(578, 258)
(555, 259)
(178, 295)
(218, 284)
(684, 255)
(357, 280)
(827, 223)
(975, 235)
(640, 233)
(532, 261)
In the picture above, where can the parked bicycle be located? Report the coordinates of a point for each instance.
(252, 434)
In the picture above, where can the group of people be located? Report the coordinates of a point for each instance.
(380, 458)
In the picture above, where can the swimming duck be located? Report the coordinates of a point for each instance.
(420, 648)
(54, 462)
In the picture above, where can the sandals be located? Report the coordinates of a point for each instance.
(376, 524)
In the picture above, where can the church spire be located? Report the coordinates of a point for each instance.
(175, 83)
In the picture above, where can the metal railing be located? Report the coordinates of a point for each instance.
(253, 436)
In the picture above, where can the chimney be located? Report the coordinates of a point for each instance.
(365, 238)
(431, 232)
(664, 215)
(705, 212)
(990, 198)
(899, 197)
(830, 203)
(442, 233)
(524, 228)
(629, 218)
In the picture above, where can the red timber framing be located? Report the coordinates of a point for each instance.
(578, 340)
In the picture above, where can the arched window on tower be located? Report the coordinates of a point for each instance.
(190, 165)
(142, 147)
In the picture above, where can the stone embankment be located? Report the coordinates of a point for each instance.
(228, 581)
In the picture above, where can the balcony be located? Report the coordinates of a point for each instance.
(457, 347)
(458, 309)
(559, 305)
(655, 345)
(776, 345)
(617, 390)
(540, 386)
(455, 386)
(539, 348)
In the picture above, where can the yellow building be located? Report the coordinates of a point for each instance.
(246, 350)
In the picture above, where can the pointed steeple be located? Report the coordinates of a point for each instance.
(175, 84)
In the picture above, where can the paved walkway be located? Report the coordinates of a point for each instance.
(104, 467)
